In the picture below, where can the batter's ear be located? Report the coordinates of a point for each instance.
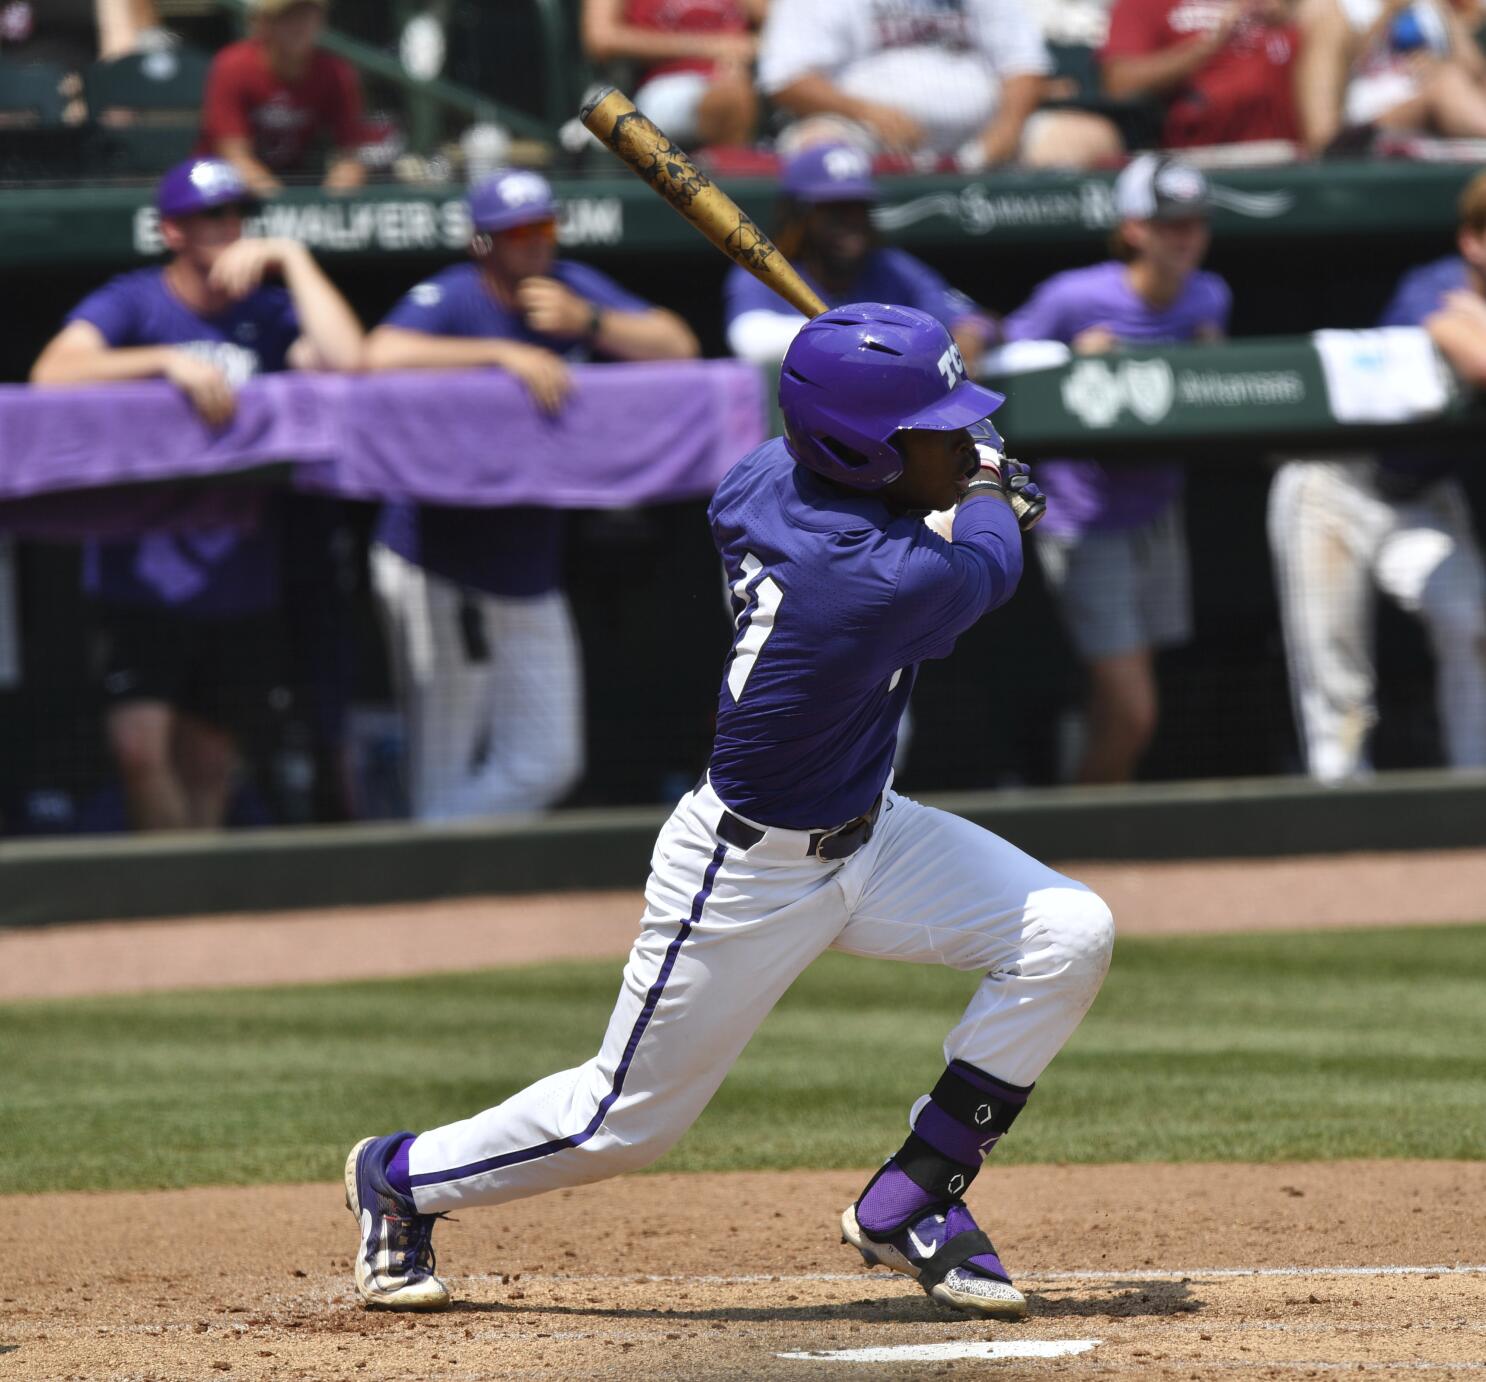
(170, 232)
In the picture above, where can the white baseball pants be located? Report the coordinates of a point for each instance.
(1334, 540)
(492, 727)
(724, 934)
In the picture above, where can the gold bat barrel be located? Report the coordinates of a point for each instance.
(612, 118)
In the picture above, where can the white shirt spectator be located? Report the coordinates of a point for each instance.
(942, 63)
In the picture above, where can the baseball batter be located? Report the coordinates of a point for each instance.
(794, 842)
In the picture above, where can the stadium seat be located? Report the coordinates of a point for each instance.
(31, 95)
(1139, 120)
(146, 108)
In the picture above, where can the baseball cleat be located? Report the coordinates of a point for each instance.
(395, 1261)
(972, 1285)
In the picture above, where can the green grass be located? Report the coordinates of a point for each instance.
(1356, 1044)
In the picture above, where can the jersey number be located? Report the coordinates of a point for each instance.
(759, 606)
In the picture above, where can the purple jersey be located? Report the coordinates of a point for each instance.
(886, 276)
(837, 599)
(513, 551)
(1083, 496)
(1420, 293)
(213, 572)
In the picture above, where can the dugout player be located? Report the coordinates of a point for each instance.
(484, 648)
(1398, 522)
(824, 228)
(1113, 549)
(190, 618)
(794, 842)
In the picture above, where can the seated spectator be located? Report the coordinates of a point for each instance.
(270, 99)
(1408, 66)
(73, 33)
(485, 653)
(697, 82)
(824, 225)
(191, 618)
(1399, 522)
(1224, 70)
(1112, 545)
(925, 80)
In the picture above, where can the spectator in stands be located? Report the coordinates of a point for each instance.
(924, 79)
(190, 616)
(73, 33)
(824, 225)
(1399, 522)
(1401, 65)
(697, 82)
(1223, 70)
(273, 97)
(1112, 545)
(484, 649)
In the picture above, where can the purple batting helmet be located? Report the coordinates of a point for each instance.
(513, 197)
(199, 184)
(858, 374)
(828, 173)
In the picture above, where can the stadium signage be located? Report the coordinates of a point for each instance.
(1097, 391)
(395, 227)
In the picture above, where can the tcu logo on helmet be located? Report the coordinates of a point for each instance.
(951, 366)
(520, 188)
(212, 178)
(841, 164)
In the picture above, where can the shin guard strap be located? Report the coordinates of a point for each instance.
(976, 1108)
(933, 1172)
(955, 1253)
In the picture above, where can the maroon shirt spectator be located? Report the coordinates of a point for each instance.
(271, 98)
(1225, 72)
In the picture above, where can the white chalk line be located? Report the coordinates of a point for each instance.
(935, 1353)
(1103, 1274)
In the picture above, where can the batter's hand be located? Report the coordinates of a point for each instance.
(553, 308)
(204, 384)
(241, 267)
(545, 375)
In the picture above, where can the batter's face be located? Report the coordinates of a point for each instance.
(936, 468)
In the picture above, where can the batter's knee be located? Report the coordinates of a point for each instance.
(1080, 930)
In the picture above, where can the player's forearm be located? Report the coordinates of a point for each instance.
(325, 317)
(987, 533)
(239, 153)
(653, 335)
(394, 348)
(1155, 74)
(762, 337)
(63, 367)
(1463, 343)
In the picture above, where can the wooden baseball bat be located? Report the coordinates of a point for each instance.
(612, 118)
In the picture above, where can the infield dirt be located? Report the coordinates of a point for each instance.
(716, 1276)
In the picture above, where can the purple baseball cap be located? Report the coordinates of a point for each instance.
(199, 184)
(828, 173)
(512, 197)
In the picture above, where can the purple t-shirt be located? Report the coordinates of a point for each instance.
(1420, 293)
(887, 275)
(836, 600)
(1084, 496)
(511, 551)
(210, 572)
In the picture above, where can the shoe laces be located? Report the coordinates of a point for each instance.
(412, 1238)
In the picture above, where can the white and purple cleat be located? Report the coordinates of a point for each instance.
(394, 1260)
(948, 1255)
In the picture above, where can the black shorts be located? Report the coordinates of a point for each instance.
(227, 671)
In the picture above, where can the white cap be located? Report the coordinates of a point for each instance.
(1157, 187)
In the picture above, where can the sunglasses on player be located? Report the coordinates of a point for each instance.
(534, 232)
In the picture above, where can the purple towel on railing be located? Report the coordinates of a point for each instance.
(628, 434)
